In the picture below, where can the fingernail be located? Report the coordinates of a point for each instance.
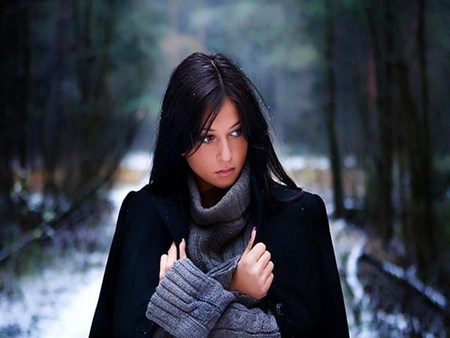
(182, 240)
(254, 229)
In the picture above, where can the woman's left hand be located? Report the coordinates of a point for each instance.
(254, 272)
(167, 260)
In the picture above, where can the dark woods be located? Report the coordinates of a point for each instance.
(384, 64)
(401, 164)
(69, 104)
(364, 82)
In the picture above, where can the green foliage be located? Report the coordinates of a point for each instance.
(98, 69)
(271, 44)
(135, 55)
(90, 68)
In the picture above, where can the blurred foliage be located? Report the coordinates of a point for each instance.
(81, 83)
(75, 90)
(80, 79)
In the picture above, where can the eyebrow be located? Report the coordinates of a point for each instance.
(233, 126)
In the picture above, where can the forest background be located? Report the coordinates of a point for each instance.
(364, 83)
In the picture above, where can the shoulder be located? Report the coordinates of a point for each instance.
(144, 208)
(147, 200)
(296, 197)
(141, 204)
(137, 200)
(141, 219)
(295, 207)
(298, 221)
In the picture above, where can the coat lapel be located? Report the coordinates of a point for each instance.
(173, 213)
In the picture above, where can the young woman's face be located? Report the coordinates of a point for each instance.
(220, 158)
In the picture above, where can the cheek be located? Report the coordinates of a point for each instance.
(243, 150)
(192, 162)
(198, 160)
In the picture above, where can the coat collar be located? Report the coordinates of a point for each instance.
(174, 210)
(173, 213)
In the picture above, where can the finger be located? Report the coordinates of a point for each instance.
(162, 266)
(251, 241)
(268, 282)
(267, 271)
(256, 252)
(172, 253)
(182, 249)
(171, 256)
(264, 259)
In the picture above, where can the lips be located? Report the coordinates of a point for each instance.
(225, 172)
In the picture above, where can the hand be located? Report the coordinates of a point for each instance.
(253, 275)
(167, 260)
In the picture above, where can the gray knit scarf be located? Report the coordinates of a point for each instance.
(217, 238)
(218, 235)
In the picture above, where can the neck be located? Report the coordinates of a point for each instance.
(211, 196)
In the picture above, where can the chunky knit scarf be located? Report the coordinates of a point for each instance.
(193, 300)
(218, 235)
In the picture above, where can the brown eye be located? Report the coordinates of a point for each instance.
(207, 138)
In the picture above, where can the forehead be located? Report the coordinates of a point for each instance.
(227, 116)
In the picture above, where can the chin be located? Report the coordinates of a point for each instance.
(226, 185)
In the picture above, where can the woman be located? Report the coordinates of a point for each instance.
(221, 242)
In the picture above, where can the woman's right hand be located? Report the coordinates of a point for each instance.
(167, 260)
(253, 275)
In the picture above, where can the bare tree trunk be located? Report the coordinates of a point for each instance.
(8, 102)
(386, 123)
(52, 150)
(98, 123)
(87, 78)
(419, 223)
(421, 177)
(380, 202)
(86, 54)
(15, 59)
(427, 150)
(418, 229)
(331, 113)
(24, 75)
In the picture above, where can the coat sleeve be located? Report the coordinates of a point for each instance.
(305, 296)
(102, 323)
(333, 316)
(131, 273)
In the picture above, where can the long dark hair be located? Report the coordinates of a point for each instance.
(194, 96)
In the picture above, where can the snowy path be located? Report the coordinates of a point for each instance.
(60, 300)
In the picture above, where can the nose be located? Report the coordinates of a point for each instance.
(224, 153)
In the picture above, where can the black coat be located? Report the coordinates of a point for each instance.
(305, 295)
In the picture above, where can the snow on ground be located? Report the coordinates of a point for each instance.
(56, 301)
(60, 300)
